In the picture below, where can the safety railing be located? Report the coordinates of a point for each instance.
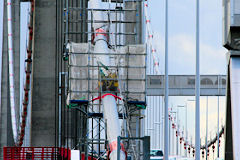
(36, 153)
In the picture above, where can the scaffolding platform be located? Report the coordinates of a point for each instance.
(100, 115)
(137, 103)
(79, 102)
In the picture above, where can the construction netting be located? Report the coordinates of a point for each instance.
(127, 78)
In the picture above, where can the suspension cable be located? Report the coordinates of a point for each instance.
(28, 69)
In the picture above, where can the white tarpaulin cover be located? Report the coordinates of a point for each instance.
(131, 71)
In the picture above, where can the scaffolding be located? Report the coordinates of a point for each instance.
(83, 83)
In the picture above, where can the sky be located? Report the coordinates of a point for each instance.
(181, 47)
(182, 36)
(182, 31)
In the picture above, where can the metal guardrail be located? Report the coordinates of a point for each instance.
(27, 153)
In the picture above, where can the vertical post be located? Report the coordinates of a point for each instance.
(197, 112)
(218, 122)
(160, 124)
(118, 147)
(61, 103)
(137, 134)
(66, 39)
(166, 143)
(184, 128)
(169, 135)
(186, 132)
(11, 70)
(172, 139)
(206, 147)
(162, 127)
(180, 145)
(146, 148)
(177, 124)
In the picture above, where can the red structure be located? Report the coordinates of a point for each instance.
(36, 153)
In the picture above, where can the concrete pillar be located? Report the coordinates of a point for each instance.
(44, 75)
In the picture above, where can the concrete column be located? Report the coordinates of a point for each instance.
(43, 75)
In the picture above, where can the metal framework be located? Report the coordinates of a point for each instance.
(80, 112)
(144, 142)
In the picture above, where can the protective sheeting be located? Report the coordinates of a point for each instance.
(235, 103)
(78, 72)
(132, 72)
(129, 62)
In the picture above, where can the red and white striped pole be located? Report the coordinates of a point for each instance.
(11, 70)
